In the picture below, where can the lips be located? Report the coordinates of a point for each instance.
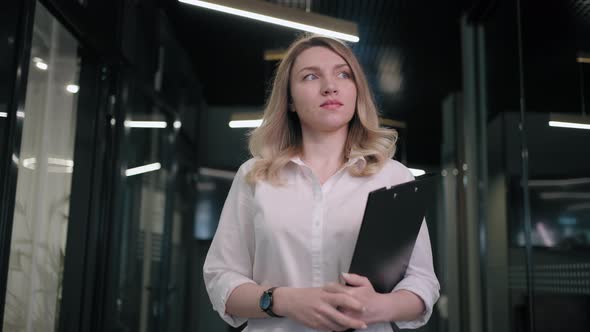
(331, 103)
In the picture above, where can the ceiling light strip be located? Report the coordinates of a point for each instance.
(143, 169)
(145, 124)
(245, 123)
(574, 125)
(273, 20)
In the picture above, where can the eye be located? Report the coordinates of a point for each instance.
(344, 74)
(309, 77)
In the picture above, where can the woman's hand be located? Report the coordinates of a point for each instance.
(361, 289)
(318, 309)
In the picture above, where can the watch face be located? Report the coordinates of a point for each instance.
(264, 301)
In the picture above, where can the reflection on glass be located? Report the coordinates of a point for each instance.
(560, 217)
(43, 188)
(138, 261)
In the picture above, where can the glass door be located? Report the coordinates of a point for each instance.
(45, 167)
(145, 222)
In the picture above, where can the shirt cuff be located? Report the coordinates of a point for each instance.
(221, 301)
(427, 297)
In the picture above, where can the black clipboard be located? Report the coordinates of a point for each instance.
(391, 222)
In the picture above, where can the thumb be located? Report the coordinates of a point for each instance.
(355, 279)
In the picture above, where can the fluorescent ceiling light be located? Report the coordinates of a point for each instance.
(72, 88)
(284, 16)
(245, 123)
(217, 173)
(569, 121)
(39, 63)
(145, 124)
(61, 162)
(177, 124)
(206, 186)
(54, 165)
(565, 195)
(569, 125)
(417, 172)
(20, 114)
(558, 182)
(143, 169)
(3, 115)
(29, 163)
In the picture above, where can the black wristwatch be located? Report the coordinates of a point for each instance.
(266, 302)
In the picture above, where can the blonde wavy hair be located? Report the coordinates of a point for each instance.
(278, 139)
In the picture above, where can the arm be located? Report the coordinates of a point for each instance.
(406, 306)
(312, 307)
(229, 260)
(243, 301)
(420, 279)
(401, 305)
(410, 304)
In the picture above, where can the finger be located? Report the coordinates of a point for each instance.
(346, 302)
(352, 314)
(323, 321)
(338, 318)
(337, 288)
(330, 325)
(355, 279)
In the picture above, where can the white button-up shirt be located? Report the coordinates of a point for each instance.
(303, 234)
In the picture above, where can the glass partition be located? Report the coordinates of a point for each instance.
(45, 162)
(557, 131)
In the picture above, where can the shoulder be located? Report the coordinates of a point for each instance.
(396, 171)
(240, 181)
(244, 170)
(247, 166)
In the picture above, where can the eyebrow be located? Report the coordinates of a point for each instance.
(317, 68)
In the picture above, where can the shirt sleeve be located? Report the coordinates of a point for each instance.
(420, 278)
(229, 260)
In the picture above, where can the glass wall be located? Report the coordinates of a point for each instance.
(141, 214)
(538, 172)
(136, 119)
(43, 190)
(558, 150)
(8, 30)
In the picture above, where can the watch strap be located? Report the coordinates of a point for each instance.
(268, 310)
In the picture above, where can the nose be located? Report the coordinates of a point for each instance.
(329, 88)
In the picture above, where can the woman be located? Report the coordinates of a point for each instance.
(289, 224)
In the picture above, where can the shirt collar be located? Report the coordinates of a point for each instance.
(359, 161)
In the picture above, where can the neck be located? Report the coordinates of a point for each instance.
(324, 149)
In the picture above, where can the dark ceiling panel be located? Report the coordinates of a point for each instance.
(580, 11)
(410, 51)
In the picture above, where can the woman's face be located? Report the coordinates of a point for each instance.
(323, 90)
